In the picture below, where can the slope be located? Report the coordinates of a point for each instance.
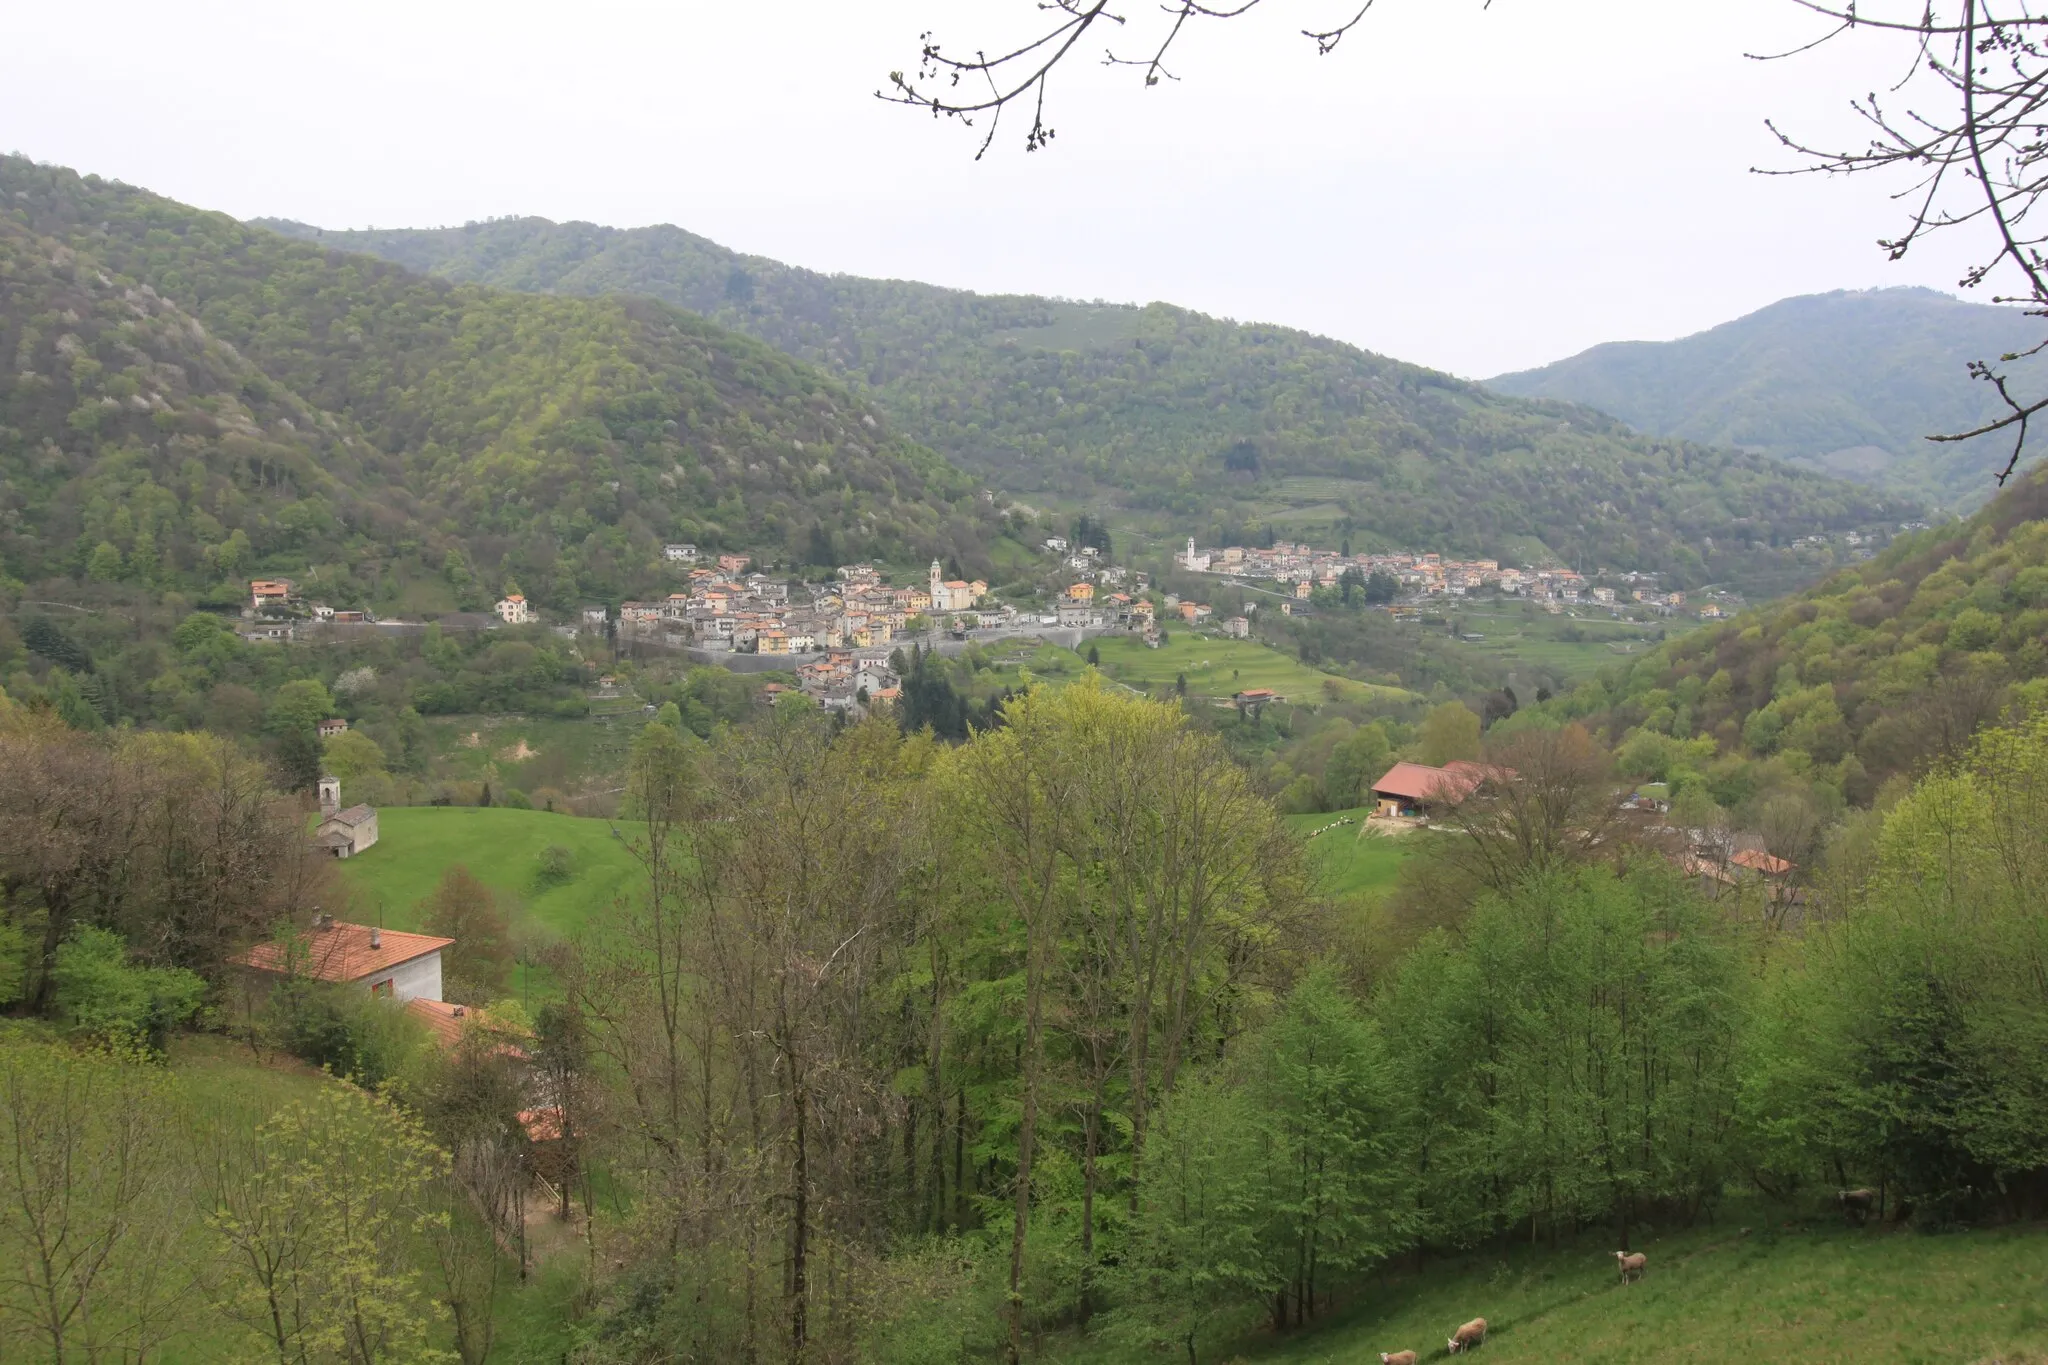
(1714, 1293)
(1850, 383)
(1204, 421)
(335, 409)
(1872, 672)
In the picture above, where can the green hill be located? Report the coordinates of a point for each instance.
(1849, 383)
(1723, 1293)
(204, 399)
(416, 844)
(1231, 429)
(1872, 672)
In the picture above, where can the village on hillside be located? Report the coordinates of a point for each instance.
(1418, 575)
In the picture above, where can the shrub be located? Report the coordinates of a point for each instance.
(555, 867)
(101, 993)
(342, 1029)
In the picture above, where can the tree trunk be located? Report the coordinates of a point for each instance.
(1027, 1131)
(800, 1215)
(1088, 1175)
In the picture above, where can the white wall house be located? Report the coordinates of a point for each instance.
(385, 962)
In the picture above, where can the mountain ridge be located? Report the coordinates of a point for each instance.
(551, 439)
(1219, 427)
(1849, 382)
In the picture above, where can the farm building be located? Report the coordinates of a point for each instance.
(1418, 790)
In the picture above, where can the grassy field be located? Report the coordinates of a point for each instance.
(1712, 1294)
(229, 1083)
(416, 844)
(1535, 642)
(1217, 667)
(1353, 859)
(528, 753)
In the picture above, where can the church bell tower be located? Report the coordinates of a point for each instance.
(330, 795)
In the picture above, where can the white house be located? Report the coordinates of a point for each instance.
(679, 554)
(594, 618)
(513, 610)
(385, 962)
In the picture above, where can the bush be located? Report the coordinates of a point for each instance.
(342, 1029)
(101, 993)
(556, 867)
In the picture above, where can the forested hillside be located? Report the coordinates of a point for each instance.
(1850, 383)
(1876, 671)
(1215, 422)
(188, 399)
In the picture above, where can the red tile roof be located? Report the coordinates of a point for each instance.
(1756, 860)
(342, 952)
(542, 1125)
(442, 1019)
(446, 1020)
(1420, 782)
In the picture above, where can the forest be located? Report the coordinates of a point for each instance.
(190, 401)
(1857, 682)
(911, 1051)
(1850, 383)
(1166, 410)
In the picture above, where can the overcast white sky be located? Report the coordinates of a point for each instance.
(1478, 190)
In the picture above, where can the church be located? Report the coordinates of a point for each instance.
(952, 594)
(343, 833)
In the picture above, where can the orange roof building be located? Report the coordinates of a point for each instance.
(1413, 788)
(1756, 860)
(387, 962)
(446, 1022)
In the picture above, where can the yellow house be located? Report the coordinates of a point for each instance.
(1081, 592)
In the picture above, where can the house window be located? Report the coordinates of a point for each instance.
(382, 987)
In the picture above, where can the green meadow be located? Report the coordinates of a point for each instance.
(1216, 666)
(416, 844)
(1353, 859)
(1815, 1291)
(530, 753)
(1571, 648)
(233, 1085)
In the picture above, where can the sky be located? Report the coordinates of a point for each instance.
(1474, 187)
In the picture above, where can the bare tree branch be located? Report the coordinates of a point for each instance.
(967, 88)
(1982, 163)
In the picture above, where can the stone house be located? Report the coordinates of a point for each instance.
(343, 833)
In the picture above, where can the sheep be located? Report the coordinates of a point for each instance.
(1631, 1265)
(1397, 1358)
(1471, 1334)
(1856, 1204)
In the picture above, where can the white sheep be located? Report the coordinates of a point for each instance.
(1397, 1358)
(1631, 1265)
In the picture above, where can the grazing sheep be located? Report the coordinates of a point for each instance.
(1856, 1204)
(1397, 1358)
(1631, 1265)
(1471, 1334)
